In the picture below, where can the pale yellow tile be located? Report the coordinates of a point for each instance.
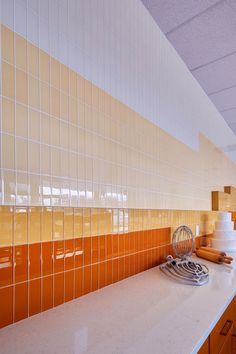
(45, 97)
(21, 86)
(95, 218)
(8, 80)
(64, 101)
(33, 56)
(21, 120)
(8, 151)
(56, 167)
(58, 223)
(34, 157)
(86, 221)
(6, 226)
(73, 111)
(21, 52)
(44, 66)
(34, 97)
(55, 102)
(34, 125)
(55, 131)
(45, 159)
(21, 154)
(20, 226)
(34, 219)
(78, 222)
(8, 116)
(7, 44)
(45, 129)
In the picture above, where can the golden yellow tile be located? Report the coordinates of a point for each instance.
(45, 129)
(21, 120)
(20, 226)
(68, 223)
(6, 226)
(34, 125)
(64, 101)
(21, 52)
(33, 56)
(73, 111)
(34, 157)
(21, 154)
(73, 83)
(86, 221)
(46, 224)
(34, 98)
(7, 45)
(58, 224)
(8, 82)
(8, 116)
(8, 151)
(95, 217)
(44, 66)
(55, 102)
(78, 222)
(55, 73)
(64, 78)
(21, 86)
(34, 217)
(45, 97)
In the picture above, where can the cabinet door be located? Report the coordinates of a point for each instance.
(227, 346)
(205, 348)
(220, 338)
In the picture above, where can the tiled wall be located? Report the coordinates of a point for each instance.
(65, 142)
(52, 255)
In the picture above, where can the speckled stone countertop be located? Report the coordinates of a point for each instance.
(146, 313)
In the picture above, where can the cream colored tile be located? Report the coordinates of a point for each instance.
(8, 116)
(8, 80)
(55, 102)
(45, 129)
(8, 152)
(21, 86)
(45, 160)
(34, 98)
(55, 131)
(34, 125)
(45, 97)
(21, 52)
(33, 57)
(55, 162)
(34, 190)
(9, 183)
(34, 157)
(21, 154)
(21, 121)
(64, 71)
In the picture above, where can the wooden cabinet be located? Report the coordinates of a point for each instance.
(222, 338)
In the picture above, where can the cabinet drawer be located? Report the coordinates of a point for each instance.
(222, 332)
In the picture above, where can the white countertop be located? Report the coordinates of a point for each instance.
(147, 313)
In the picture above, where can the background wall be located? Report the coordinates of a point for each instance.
(99, 110)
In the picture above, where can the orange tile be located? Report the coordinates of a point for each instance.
(127, 267)
(58, 256)
(127, 247)
(87, 250)
(131, 265)
(95, 249)
(115, 270)
(21, 302)
(69, 285)
(122, 244)
(34, 297)
(95, 269)
(136, 263)
(109, 246)
(78, 282)
(69, 254)
(58, 289)
(78, 252)
(150, 262)
(47, 293)
(115, 245)
(6, 306)
(47, 252)
(21, 263)
(141, 241)
(35, 260)
(121, 268)
(87, 280)
(6, 266)
(141, 261)
(131, 242)
(102, 274)
(109, 272)
(136, 241)
(102, 248)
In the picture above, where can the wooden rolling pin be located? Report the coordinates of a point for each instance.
(213, 257)
(213, 250)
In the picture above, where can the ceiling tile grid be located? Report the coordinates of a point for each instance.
(204, 34)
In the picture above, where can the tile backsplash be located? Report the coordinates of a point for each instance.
(49, 256)
(66, 142)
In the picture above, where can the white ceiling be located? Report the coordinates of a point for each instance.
(204, 34)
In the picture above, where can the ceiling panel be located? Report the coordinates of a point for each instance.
(172, 13)
(225, 99)
(217, 76)
(206, 37)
